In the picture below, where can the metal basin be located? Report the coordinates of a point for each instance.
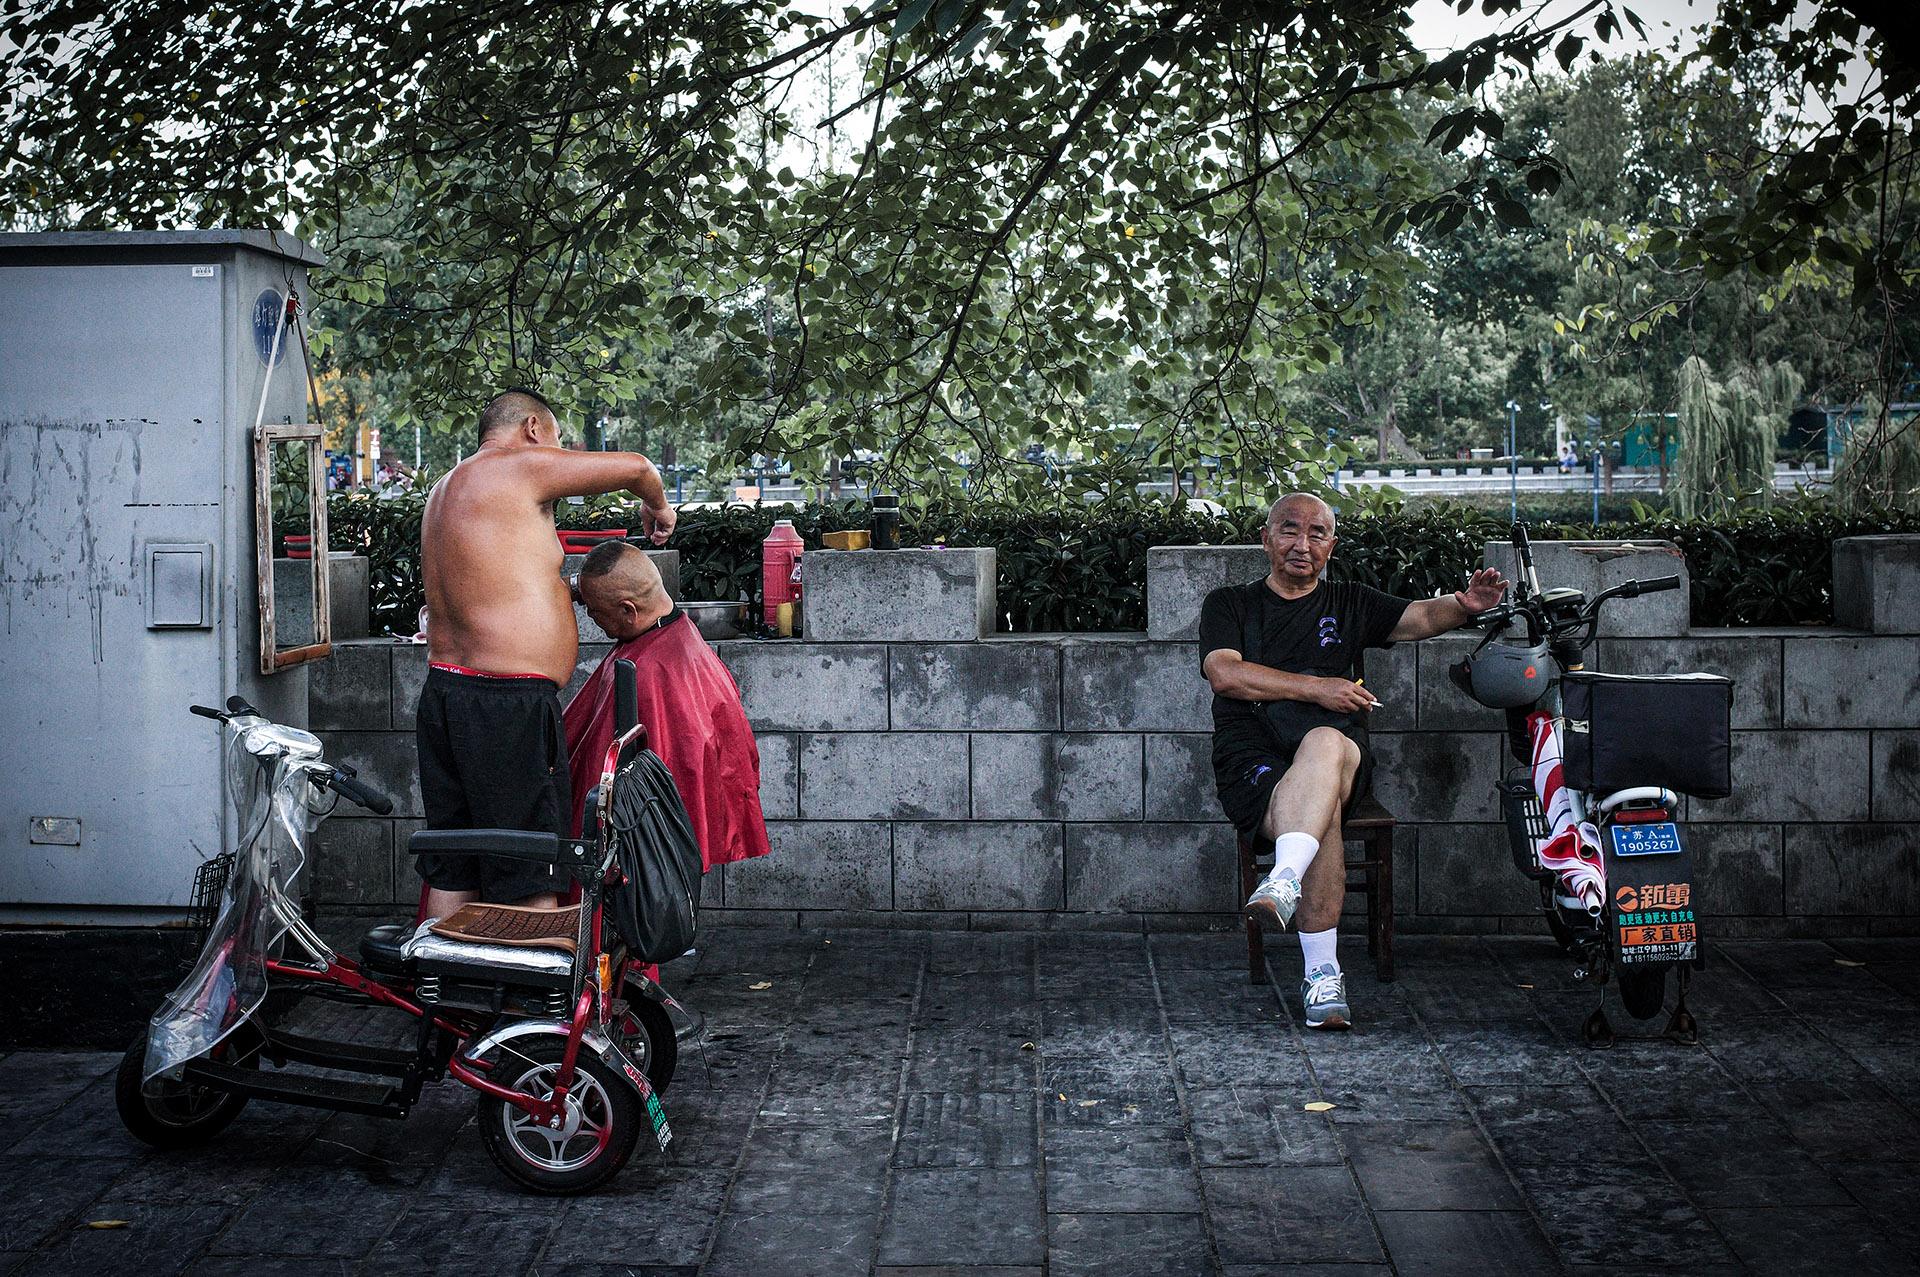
(718, 618)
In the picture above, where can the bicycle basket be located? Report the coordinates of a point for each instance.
(209, 886)
(1624, 730)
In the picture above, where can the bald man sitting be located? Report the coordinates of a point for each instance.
(501, 642)
(688, 701)
(1290, 750)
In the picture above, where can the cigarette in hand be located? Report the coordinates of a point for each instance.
(1361, 682)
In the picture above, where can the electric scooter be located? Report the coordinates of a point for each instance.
(1592, 808)
(567, 1047)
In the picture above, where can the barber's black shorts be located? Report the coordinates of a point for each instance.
(493, 755)
(1245, 778)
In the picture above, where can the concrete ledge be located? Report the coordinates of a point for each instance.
(809, 687)
(996, 686)
(1183, 868)
(977, 865)
(1056, 776)
(1179, 578)
(816, 865)
(906, 596)
(883, 776)
(1119, 686)
(1876, 583)
(1865, 681)
(1593, 566)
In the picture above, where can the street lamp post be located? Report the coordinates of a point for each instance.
(1593, 459)
(1513, 461)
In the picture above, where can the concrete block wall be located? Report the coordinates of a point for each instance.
(1064, 781)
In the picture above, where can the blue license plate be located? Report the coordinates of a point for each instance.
(1661, 838)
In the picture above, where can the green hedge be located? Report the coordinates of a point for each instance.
(1084, 569)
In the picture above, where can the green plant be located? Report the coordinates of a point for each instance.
(1082, 568)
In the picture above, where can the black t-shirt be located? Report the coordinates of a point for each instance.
(1321, 634)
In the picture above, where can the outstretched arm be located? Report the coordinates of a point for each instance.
(561, 472)
(1428, 617)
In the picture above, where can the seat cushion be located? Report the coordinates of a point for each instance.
(505, 963)
(383, 949)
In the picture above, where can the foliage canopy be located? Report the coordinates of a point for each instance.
(1189, 203)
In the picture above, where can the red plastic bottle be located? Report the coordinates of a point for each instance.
(778, 553)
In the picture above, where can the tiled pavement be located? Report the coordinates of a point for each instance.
(1114, 1104)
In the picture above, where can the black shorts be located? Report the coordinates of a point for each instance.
(1244, 779)
(493, 755)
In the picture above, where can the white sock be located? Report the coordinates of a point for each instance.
(1318, 948)
(1292, 853)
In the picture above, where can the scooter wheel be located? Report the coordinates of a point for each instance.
(174, 1115)
(601, 1125)
(1643, 993)
(647, 1033)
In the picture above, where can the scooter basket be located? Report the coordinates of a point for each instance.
(209, 888)
(1624, 731)
(1526, 824)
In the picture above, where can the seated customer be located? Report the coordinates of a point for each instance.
(1290, 752)
(689, 705)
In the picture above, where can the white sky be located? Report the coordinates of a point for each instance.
(1436, 27)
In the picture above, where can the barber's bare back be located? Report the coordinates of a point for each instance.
(491, 562)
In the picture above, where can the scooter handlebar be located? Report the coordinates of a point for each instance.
(1657, 584)
(354, 792)
(206, 711)
(239, 705)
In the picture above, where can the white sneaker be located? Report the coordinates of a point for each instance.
(1273, 901)
(1324, 994)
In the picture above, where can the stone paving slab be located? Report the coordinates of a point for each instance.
(973, 1104)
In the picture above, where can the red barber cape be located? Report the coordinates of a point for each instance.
(691, 709)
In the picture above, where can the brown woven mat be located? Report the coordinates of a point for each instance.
(512, 924)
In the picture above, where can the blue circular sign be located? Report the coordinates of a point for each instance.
(269, 309)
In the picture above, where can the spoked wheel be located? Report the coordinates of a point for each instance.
(171, 1115)
(1644, 992)
(647, 1035)
(596, 1134)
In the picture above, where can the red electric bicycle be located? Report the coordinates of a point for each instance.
(568, 1048)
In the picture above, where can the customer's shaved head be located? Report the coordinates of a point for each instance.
(621, 570)
(1304, 506)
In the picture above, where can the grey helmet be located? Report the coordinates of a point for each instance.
(1506, 675)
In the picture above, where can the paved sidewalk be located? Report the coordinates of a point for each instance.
(1008, 1104)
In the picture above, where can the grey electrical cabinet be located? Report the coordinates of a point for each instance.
(131, 368)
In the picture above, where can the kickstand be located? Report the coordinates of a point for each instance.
(1596, 1031)
(1683, 1028)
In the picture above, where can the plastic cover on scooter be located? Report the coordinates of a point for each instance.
(229, 981)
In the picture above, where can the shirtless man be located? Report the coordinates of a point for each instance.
(501, 642)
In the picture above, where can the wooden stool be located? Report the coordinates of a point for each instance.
(1372, 826)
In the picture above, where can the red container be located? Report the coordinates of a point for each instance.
(583, 542)
(778, 553)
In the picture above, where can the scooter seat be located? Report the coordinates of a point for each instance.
(383, 949)
(507, 964)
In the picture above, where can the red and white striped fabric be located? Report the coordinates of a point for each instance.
(1572, 848)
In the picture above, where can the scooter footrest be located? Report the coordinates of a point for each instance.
(369, 1098)
(351, 1057)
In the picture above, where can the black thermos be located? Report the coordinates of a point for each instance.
(886, 523)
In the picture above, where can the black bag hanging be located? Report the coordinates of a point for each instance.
(656, 909)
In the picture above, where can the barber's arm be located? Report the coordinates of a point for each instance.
(562, 472)
(1231, 675)
(1428, 617)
